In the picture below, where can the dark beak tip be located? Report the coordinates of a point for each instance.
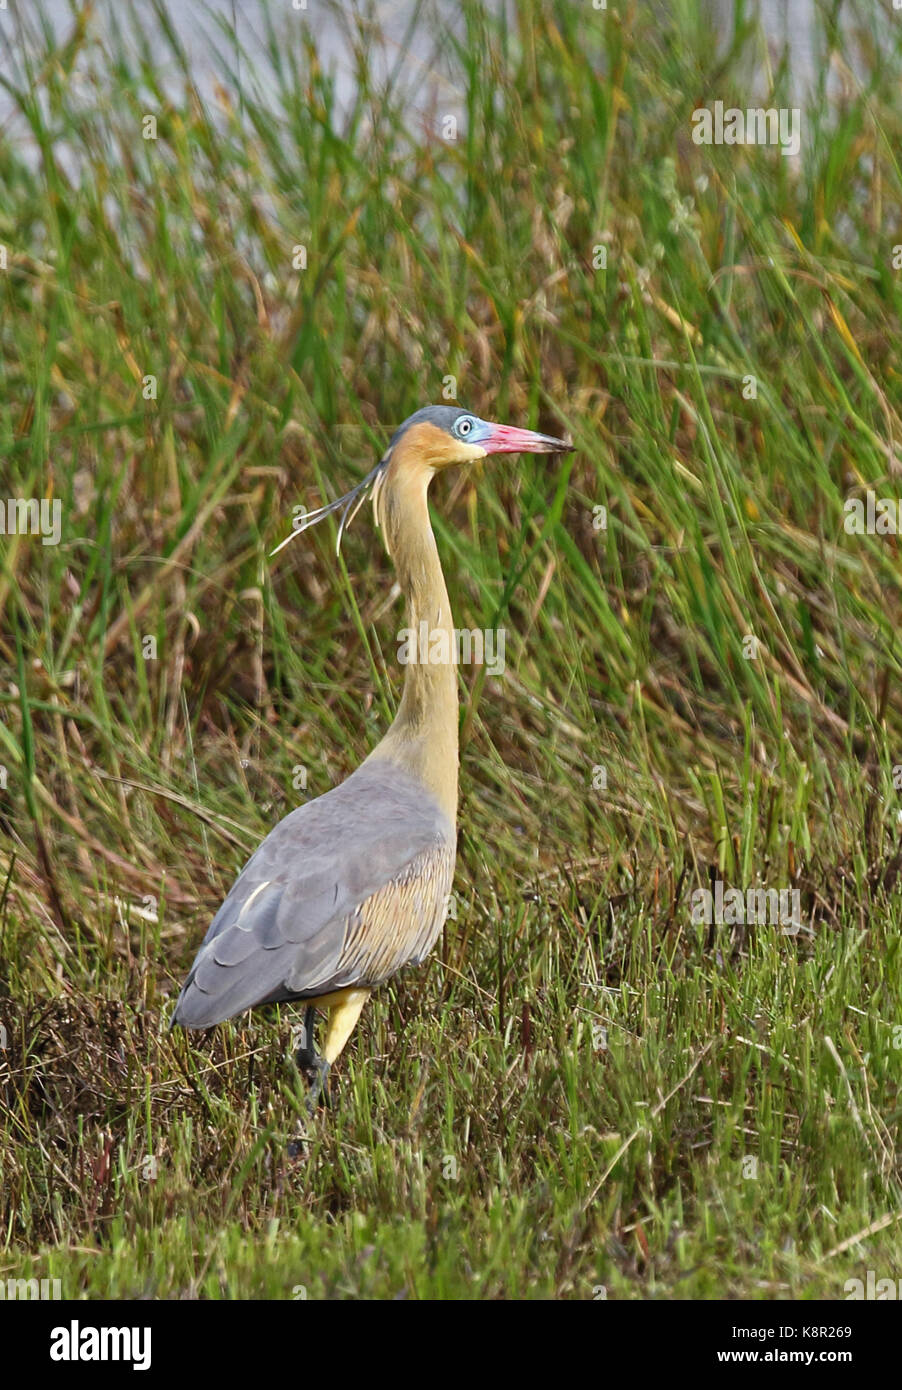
(548, 444)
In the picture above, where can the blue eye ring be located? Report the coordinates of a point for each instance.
(464, 426)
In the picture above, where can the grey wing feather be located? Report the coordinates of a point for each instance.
(314, 908)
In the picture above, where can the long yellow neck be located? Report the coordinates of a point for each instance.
(423, 737)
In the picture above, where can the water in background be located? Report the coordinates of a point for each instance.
(383, 26)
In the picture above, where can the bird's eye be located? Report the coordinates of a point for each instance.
(464, 426)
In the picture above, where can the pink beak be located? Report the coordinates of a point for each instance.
(505, 439)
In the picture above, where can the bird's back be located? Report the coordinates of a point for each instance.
(344, 891)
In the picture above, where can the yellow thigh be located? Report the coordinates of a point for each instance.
(344, 1010)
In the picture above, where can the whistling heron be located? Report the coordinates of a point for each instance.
(351, 887)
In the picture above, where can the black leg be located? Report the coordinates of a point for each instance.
(314, 1067)
(306, 1055)
(318, 1085)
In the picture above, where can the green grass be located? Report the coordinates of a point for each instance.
(584, 1087)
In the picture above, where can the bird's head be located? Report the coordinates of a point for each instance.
(436, 437)
(439, 436)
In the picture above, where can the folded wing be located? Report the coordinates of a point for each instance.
(344, 891)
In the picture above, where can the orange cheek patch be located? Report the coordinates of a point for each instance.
(433, 448)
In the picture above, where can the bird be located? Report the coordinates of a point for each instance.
(353, 886)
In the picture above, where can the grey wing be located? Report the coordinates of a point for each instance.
(345, 890)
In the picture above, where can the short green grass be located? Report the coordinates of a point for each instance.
(584, 1088)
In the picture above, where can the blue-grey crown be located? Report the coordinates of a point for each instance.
(442, 416)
